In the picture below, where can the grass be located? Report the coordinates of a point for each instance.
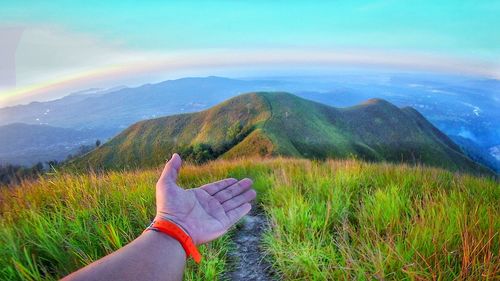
(357, 221)
(330, 220)
(53, 226)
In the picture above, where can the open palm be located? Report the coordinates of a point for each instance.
(206, 212)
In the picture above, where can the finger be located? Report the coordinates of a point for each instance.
(171, 170)
(233, 190)
(214, 187)
(239, 200)
(236, 214)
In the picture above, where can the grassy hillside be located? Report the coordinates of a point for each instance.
(330, 220)
(270, 124)
(148, 143)
(355, 221)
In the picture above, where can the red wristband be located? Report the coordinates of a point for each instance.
(174, 231)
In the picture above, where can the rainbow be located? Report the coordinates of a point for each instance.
(162, 65)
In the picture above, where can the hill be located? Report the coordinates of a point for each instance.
(121, 106)
(270, 124)
(331, 220)
(478, 153)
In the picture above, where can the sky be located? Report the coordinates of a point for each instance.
(49, 49)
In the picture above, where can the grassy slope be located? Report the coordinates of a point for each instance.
(356, 221)
(375, 130)
(331, 220)
(150, 142)
(283, 124)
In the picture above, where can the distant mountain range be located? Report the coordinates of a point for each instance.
(116, 110)
(466, 109)
(271, 124)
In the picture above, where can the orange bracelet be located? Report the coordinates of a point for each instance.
(174, 231)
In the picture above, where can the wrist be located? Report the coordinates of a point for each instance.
(171, 229)
(168, 217)
(163, 241)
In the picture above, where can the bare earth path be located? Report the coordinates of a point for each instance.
(247, 259)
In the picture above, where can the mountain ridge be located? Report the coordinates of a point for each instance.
(281, 124)
(457, 107)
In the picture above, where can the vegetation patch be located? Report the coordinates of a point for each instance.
(329, 220)
(351, 220)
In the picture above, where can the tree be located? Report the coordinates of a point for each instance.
(37, 168)
(233, 131)
(198, 153)
(52, 164)
(202, 153)
(13, 174)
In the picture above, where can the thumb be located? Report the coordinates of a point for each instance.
(171, 170)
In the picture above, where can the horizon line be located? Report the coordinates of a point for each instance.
(221, 63)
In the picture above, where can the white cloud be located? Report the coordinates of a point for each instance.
(52, 62)
(48, 52)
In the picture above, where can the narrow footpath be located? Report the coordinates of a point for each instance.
(247, 260)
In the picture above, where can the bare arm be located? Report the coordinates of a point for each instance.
(205, 213)
(152, 256)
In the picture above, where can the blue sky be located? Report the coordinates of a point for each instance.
(67, 45)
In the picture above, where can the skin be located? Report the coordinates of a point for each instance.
(205, 213)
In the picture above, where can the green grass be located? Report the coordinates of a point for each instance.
(51, 227)
(330, 220)
(357, 221)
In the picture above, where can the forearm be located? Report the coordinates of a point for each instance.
(152, 256)
(203, 213)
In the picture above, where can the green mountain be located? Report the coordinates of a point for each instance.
(270, 124)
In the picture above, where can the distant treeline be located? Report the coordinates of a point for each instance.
(14, 174)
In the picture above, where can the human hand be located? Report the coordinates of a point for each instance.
(206, 212)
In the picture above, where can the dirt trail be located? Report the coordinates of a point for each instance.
(247, 259)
